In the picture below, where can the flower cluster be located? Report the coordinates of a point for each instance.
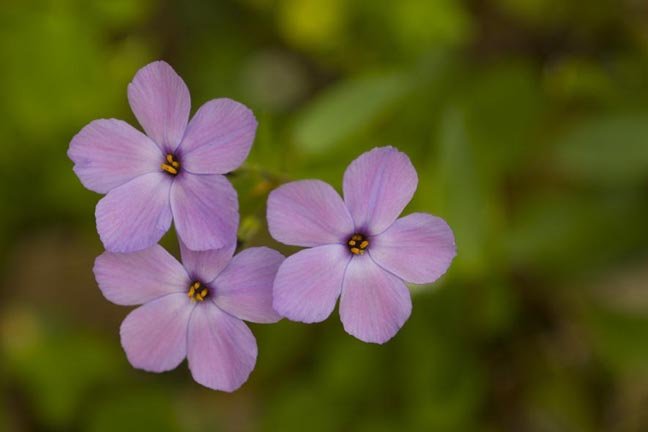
(357, 247)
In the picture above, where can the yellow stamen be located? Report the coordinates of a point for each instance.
(357, 244)
(197, 292)
(172, 165)
(169, 169)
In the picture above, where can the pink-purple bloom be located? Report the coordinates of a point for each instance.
(358, 249)
(193, 310)
(173, 172)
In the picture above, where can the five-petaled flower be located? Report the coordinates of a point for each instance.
(359, 250)
(174, 172)
(192, 310)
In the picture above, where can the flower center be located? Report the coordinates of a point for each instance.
(198, 292)
(171, 165)
(357, 244)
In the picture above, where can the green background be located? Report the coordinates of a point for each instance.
(527, 121)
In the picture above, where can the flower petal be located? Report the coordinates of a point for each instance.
(418, 248)
(108, 153)
(308, 213)
(154, 335)
(160, 100)
(205, 211)
(136, 215)
(205, 265)
(308, 283)
(244, 288)
(218, 138)
(221, 349)
(377, 187)
(374, 304)
(136, 278)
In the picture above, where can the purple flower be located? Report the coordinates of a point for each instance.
(175, 171)
(192, 311)
(359, 250)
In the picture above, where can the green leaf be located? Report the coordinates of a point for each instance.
(134, 412)
(418, 25)
(347, 108)
(469, 200)
(441, 379)
(504, 107)
(560, 397)
(620, 339)
(568, 232)
(609, 150)
(58, 370)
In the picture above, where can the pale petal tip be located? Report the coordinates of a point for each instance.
(307, 213)
(157, 64)
(380, 337)
(204, 245)
(221, 349)
(154, 66)
(228, 387)
(377, 186)
(153, 336)
(381, 340)
(293, 315)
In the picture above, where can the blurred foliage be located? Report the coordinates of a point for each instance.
(527, 121)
